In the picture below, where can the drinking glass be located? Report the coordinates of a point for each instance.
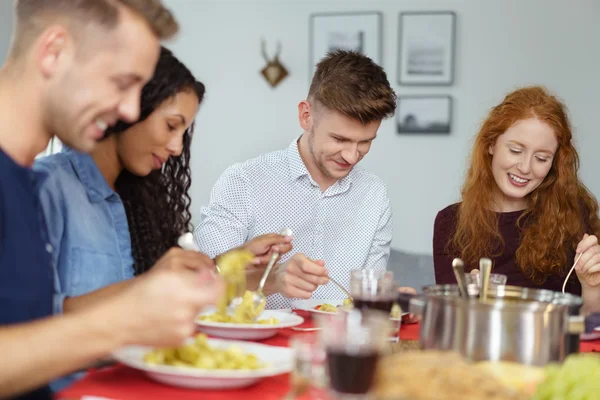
(354, 341)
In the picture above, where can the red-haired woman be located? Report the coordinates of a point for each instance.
(523, 204)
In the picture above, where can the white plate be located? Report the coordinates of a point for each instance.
(310, 304)
(590, 335)
(279, 360)
(249, 331)
(595, 334)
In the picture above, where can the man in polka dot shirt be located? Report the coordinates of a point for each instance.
(340, 213)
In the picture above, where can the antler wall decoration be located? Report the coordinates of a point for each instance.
(274, 72)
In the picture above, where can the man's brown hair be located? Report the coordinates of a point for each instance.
(32, 16)
(352, 84)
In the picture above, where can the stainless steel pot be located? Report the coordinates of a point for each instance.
(518, 324)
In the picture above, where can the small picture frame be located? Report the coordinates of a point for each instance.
(360, 31)
(424, 115)
(426, 48)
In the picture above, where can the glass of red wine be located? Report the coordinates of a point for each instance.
(375, 290)
(353, 341)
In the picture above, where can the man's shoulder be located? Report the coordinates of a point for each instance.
(54, 172)
(52, 163)
(258, 166)
(366, 178)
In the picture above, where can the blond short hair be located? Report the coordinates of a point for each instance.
(32, 16)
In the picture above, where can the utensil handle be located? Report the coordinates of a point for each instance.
(459, 273)
(343, 289)
(274, 257)
(485, 268)
(261, 284)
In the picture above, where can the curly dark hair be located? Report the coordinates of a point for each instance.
(158, 205)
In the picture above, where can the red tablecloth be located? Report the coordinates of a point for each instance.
(124, 383)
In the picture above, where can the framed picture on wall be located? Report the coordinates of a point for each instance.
(424, 114)
(361, 31)
(426, 48)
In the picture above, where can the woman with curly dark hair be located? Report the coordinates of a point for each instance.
(111, 214)
(154, 158)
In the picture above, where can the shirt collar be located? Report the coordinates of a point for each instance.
(297, 169)
(295, 164)
(90, 176)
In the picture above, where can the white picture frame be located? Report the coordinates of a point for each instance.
(360, 31)
(426, 46)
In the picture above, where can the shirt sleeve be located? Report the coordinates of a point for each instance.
(224, 223)
(443, 229)
(51, 201)
(380, 248)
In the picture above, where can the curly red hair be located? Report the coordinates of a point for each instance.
(561, 209)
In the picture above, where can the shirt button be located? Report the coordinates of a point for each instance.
(48, 247)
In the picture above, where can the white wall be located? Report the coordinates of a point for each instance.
(500, 45)
(5, 27)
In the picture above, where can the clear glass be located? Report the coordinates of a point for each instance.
(353, 341)
(474, 282)
(372, 289)
(371, 284)
(309, 364)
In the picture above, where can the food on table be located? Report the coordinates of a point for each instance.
(396, 311)
(405, 345)
(437, 375)
(201, 355)
(232, 265)
(331, 308)
(326, 308)
(244, 314)
(577, 378)
(523, 378)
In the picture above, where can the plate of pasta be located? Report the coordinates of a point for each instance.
(318, 306)
(230, 326)
(203, 363)
(329, 306)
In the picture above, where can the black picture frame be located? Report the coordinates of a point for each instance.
(426, 48)
(344, 20)
(424, 115)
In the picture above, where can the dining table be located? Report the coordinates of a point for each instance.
(119, 382)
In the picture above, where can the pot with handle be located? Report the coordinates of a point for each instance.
(528, 326)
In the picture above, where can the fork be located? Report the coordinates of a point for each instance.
(341, 287)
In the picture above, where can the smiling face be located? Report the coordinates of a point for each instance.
(521, 159)
(93, 84)
(147, 145)
(336, 142)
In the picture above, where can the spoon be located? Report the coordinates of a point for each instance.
(485, 266)
(459, 272)
(259, 299)
(570, 272)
